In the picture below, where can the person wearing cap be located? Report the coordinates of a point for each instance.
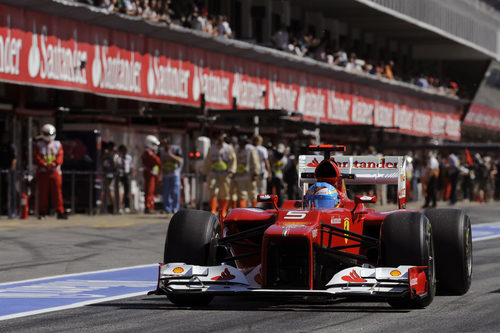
(151, 163)
(171, 165)
(219, 166)
(278, 163)
(49, 157)
(247, 169)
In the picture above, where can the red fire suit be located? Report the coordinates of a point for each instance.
(48, 158)
(151, 163)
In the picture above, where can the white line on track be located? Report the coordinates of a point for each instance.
(70, 306)
(78, 274)
(496, 225)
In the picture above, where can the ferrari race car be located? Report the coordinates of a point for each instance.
(308, 248)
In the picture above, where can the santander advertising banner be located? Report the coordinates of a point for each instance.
(43, 50)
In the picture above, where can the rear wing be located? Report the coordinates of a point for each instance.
(361, 170)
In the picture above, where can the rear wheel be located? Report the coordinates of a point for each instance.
(407, 240)
(453, 250)
(191, 239)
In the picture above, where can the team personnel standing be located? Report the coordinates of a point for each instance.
(123, 164)
(49, 157)
(431, 174)
(219, 165)
(265, 166)
(278, 163)
(151, 163)
(247, 170)
(171, 165)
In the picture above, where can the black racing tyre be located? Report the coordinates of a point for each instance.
(453, 250)
(406, 239)
(191, 239)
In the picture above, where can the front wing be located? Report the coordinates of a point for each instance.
(362, 282)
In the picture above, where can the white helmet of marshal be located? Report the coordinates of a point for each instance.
(152, 142)
(48, 132)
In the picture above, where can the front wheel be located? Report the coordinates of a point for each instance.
(407, 240)
(453, 242)
(191, 239)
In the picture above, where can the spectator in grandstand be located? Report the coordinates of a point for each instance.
(452, 88)
(280, 38)
(197, 21)
(209, 25)
(130, 7)
(149, 11)
(164, 12)
(369, 69)
(388, 70)
(422, 82)
(223, 28)
(341, 58)
(354, 64)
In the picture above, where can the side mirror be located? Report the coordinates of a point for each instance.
(269, 198)
(365, 199)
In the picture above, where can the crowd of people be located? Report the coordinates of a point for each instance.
(161, 164)
(453, 176)
(191, 15)
(236, 169)
(183, 13)
(321, 49)
(431, 177)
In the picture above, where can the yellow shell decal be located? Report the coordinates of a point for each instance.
(346, 227)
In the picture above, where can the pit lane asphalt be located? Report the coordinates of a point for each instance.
(32, 249)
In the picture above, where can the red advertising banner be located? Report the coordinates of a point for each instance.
(483, 116)
(43, 50)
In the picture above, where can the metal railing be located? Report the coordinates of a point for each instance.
(90, 192)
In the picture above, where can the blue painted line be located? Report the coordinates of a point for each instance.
(485, 231)
(22, 298)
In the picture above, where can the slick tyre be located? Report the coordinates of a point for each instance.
(191, 239)
(407, 240)
(451, 230)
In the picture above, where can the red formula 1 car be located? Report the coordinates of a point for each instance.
(347, 250)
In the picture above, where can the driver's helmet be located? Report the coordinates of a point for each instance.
(322, 195)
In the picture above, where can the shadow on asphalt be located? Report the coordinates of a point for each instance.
(257, 304)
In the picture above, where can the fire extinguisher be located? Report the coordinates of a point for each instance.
(23, 206)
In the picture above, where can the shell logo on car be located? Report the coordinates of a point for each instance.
(178, 270)
(395, 273)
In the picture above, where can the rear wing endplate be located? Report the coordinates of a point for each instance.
(361, 170)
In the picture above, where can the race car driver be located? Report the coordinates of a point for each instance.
(322, 196)
(49, 157)
(151, 162)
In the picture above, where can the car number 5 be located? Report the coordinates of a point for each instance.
(295, 215)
